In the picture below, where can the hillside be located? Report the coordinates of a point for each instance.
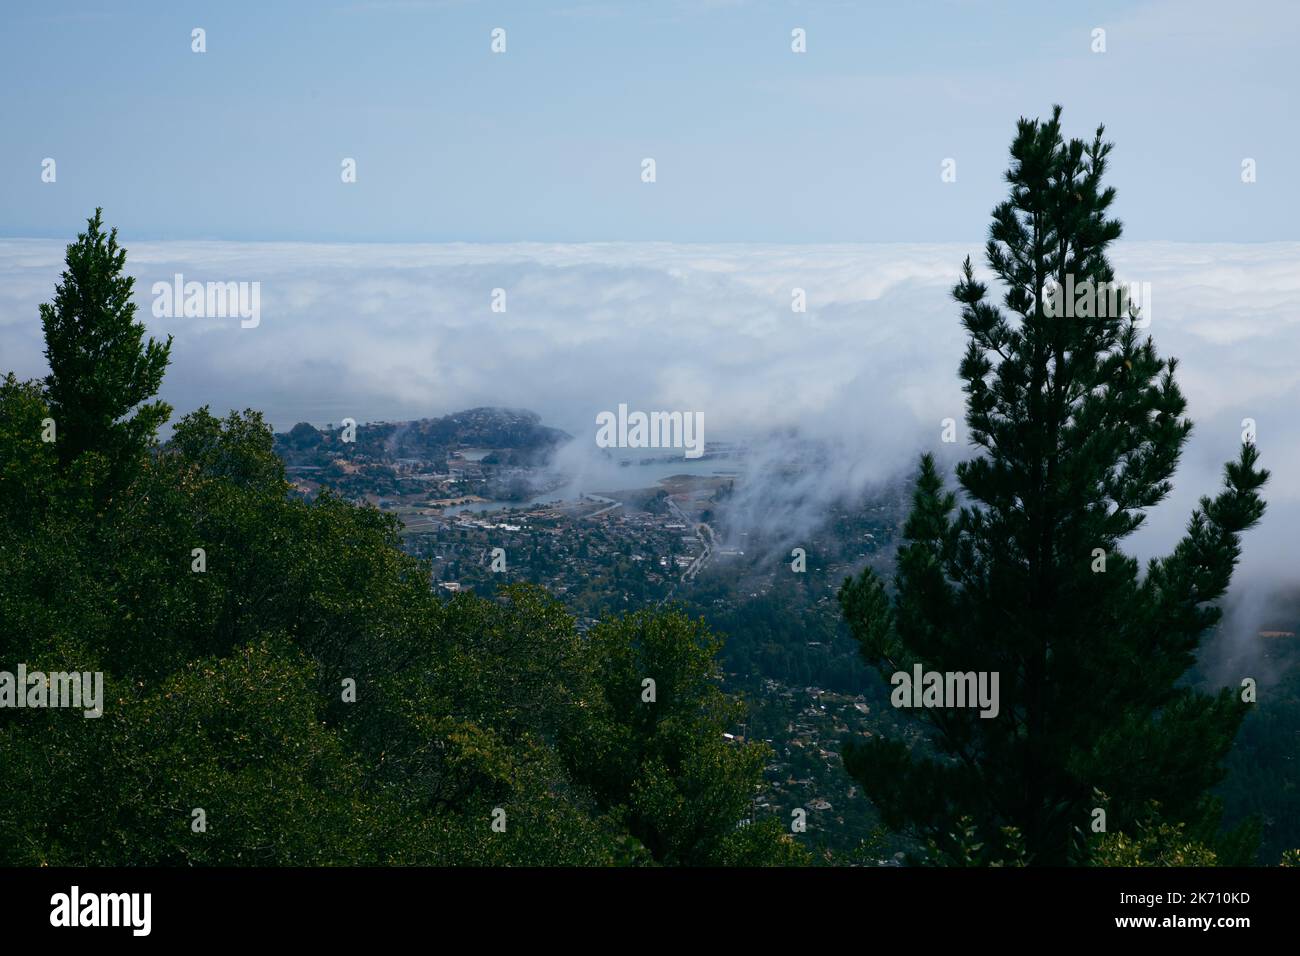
(515, 435)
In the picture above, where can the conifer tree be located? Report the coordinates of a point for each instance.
(101, 369)
(1078, 424)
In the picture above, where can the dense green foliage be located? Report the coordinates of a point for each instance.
(1263, 780)
(1079, 426)
(232, 621)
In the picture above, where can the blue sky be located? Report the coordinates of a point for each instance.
(753, 143)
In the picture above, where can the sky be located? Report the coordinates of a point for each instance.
(774, 170)
(544, 142)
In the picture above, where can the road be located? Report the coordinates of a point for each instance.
(612, 504)
(707, 541)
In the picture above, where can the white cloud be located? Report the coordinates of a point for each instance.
(405, 331)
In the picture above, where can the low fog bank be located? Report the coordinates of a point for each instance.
(854, 388)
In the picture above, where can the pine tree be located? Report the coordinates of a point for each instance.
(1078, 425)
(100, 367)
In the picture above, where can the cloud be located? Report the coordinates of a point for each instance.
(868, 372)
